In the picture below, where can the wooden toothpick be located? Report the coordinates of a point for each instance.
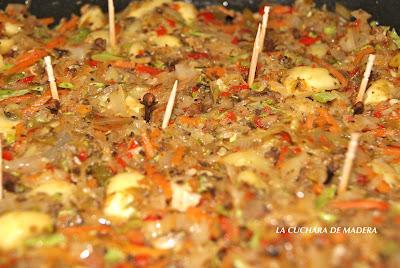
(111, 19)
(364, 82)
(348, 163)
(52, 80)
(254, 57)
(264, 26)
(170, 106)
(1, 166)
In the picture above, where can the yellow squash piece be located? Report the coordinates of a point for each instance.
(307, 80)
(17, 226)
(380, 90)
(187, 11)
(138, 10)
(250, 158)
(92, 18)
(55, 187)
(119, 201)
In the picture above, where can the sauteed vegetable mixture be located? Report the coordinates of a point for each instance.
(93, 180)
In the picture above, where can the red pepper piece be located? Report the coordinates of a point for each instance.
(308, 41)
(171, 23)
(161, 30)
(7, 155)
(27, 80)
(231, 116)
(82, 156)
(140, 68)
(206, 16)
(93, 63)
(197, 55)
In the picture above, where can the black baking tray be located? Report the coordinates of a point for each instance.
(384, 11)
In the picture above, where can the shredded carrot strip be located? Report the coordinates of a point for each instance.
(124, 64)
(309, 121)
(76, 230)
(140, 250)
(36, 105)
(159, 180)
(329, 119)
(16, 99)
(362, 53)
(56, 42)
(179, 153)
(336, 73)
(4, 18)
(147, 146)
(69, 25)
(26, 60)
(361, 204)
(46, 21)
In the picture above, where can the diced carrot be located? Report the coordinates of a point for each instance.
(147, 146)
(336, 73)
(361, 54)
(135, 237)
(124, 64)
(338, 238)
(82, 109)
(215, 71)
(230, 229)
(46, 21)
(190, 121)
(92, 183)
(397, 220)
(361, 204)
(383, 187)
(379, 132)
(317, 188)
(69, 25)
(197, 214)
(56, 42)
(179, 153)
(27, 60)
(392, 150)
(277, 23)
(280, 10)
(20, 129)
(282, 156)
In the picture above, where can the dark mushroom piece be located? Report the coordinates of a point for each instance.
(358, 108)
(100, 44)
(53, 105)
(149, 101)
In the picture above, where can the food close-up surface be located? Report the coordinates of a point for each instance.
(167, 135)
